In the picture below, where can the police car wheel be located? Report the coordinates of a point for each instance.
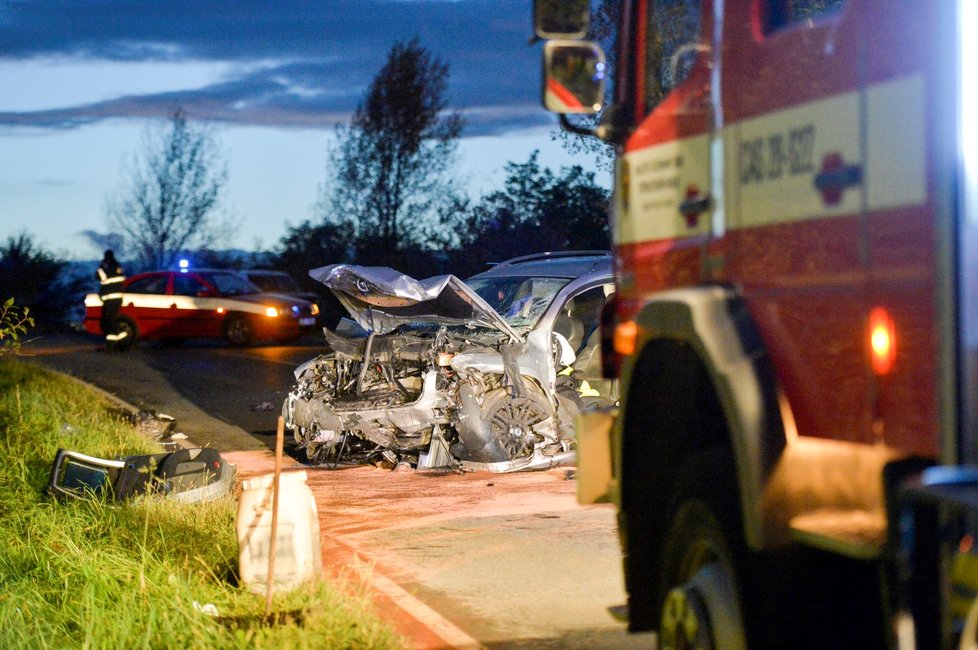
(128, 327)
(237, 331)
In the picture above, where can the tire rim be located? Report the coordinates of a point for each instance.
(703, 614)
(513, 422)
(238, 331)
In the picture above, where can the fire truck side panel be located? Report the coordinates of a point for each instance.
(797, 283)
(813, 261)
(815, 152)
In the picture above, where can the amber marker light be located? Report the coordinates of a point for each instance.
(220, 310)
(271, 312)
(626, 336)
(882, 341)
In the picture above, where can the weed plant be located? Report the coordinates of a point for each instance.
(99, 574)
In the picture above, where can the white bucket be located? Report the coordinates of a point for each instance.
(298, 555)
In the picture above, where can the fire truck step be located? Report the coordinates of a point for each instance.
(857, 534)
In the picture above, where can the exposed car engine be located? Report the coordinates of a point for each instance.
(432, 376)
(413, 398)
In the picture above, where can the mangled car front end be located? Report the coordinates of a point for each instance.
(432, 376)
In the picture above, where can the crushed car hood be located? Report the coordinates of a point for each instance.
(380, 299)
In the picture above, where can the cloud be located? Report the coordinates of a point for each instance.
(295, 63)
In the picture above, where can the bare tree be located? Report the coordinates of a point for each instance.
(170, 197)
(388, 171)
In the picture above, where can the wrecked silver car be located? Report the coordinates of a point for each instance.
(488, 373)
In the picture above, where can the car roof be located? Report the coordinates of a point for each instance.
(564, 264)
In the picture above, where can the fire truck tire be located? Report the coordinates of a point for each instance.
(698, 584)
(238, 331)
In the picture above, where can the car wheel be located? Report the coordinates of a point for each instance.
(514, 420)
(127, 326)
(238, 331)
(698, 567)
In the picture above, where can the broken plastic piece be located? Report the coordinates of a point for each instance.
(188, 475)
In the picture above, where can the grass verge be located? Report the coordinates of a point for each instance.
(92, 574)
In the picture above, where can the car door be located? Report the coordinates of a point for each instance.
(194, 309)
(145, 302)
(578, 321)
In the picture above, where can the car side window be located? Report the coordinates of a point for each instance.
(185, 285)
(583, 313)
(155, 285)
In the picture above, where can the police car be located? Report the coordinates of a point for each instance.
(171, 306)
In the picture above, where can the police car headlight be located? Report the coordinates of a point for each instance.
(271, 312)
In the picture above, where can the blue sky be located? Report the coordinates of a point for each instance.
(81, 81)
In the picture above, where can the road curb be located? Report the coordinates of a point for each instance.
(426, 628)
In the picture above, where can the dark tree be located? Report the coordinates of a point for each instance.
(309, 246)
(389, 171)
(536, 211)
(37, 279)
(169, 200)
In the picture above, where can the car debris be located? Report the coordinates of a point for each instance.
(185, 475)
(151, 424)
(449, 374)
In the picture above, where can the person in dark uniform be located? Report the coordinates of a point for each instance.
(110, 277)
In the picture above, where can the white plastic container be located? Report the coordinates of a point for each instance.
(298, 555)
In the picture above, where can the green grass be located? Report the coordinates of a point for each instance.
(94, 574)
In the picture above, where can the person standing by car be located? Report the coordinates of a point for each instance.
(110, 278)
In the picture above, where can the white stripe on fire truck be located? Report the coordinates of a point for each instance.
(773, 161)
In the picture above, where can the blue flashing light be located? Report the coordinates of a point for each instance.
(184, 265)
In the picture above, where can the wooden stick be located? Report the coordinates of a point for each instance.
(273, 543)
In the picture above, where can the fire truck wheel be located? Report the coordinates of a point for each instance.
(237, 331)
(698, 581)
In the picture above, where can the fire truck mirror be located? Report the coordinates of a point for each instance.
(561, 18)
(573, 77)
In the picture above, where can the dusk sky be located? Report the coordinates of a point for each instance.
(82, 80)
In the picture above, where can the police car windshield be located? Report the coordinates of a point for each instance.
(230, 284)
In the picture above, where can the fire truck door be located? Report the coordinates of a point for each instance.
(666, 193)
(794, 111)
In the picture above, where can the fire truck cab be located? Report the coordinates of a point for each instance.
(796, 317)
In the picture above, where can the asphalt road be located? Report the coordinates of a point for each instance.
(462, 560)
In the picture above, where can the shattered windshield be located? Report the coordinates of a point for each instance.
(521, 301)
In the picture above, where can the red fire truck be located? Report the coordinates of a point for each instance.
(796, 317)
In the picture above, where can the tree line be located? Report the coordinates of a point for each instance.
(392, 197)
